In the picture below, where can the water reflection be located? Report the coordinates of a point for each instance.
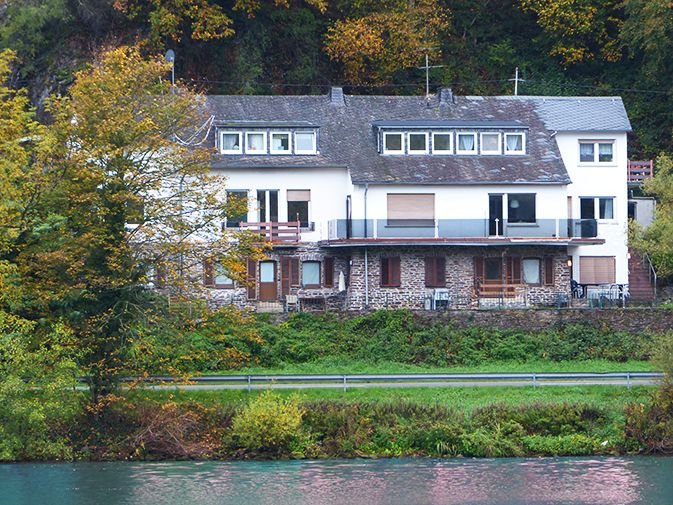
(544, 481)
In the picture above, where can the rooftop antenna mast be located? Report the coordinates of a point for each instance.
(427, 68)
(170, 58)
(516, 80)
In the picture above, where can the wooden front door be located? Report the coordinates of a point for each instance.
(268, 288)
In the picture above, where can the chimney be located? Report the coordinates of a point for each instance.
(336, 96)
(445, 96)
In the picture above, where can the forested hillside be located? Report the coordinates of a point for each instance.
(562, 47)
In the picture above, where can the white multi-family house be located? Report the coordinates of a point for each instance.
(422, 202)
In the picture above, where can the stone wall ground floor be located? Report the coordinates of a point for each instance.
(311, 277)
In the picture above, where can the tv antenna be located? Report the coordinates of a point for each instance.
(170, 58)
(516, 80)
(427, 68)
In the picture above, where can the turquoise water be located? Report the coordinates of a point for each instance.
(562, 481)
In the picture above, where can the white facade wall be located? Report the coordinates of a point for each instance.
(328, 187)
(599, 180)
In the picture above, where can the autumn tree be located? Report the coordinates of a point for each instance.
(391, 35)
(130, 192)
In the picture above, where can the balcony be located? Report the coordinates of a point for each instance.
(275, 232)
(639, 171)
(467, 230)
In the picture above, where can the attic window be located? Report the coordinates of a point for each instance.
(515, 143)
(441, 143)
(393, 143)
(418, 143)
(280, 143)
(467, 143)
(305, 142)
(255, 142)
(490, 143)
(230, 143)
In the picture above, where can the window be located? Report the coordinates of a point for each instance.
(305, 143)
(531, 270)
(441, 143)
(514, 143)
(595, 151)
(297, 206)
(310, 274)
(590, 205)
(390, 271)
(521, 208)
(393, 143)
(230, 143)
(490, 143)
(215, 275)
(411, 209)
(467, 143)
(418, 143)
(435, 271)
(597, 269)
(280, 143)
(237, 207)
(255, 142)
(605, 208)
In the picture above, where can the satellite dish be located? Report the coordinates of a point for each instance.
(170, 56)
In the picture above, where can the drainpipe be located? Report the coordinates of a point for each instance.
(366, 190)
(366, 279)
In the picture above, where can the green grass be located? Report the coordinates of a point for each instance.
(348, 366)
(465, 399)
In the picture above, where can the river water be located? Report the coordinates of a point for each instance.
(548, 481)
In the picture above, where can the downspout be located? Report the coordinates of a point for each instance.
(366, 254)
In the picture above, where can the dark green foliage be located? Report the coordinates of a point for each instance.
(651, 426)
(398, 336)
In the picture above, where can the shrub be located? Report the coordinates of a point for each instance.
(651, 426)
(576, 444)
(268, 423)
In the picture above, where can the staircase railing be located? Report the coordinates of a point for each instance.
(653, 275)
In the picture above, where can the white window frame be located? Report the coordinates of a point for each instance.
(523, 143)
(596, 144)
(481, 143)
(460, 151)
(289, 142)
(442, 151)
(264, 136)
(313, 150)
(598, 208)
(417, 151)
(388, 151)
(240, 142)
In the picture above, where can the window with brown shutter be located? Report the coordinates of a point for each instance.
(435, 271)
(289, 274)
(411, 209)
(549, 270)
(597, 269)
(208, 273)
(328, 276)
(390, 271)
(251, 279)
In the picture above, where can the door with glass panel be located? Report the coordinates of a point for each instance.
(268, 287)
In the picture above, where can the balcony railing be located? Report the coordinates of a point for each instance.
(639, 171)
(344, 229)
(275, 232)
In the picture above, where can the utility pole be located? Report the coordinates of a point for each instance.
(427, 68)
(516, 81)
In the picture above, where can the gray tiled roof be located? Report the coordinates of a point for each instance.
(347, 137)
(589, 114)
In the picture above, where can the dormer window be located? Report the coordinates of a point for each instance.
(280, 143)
(442, 143)
(305, 142)
(255, 142)
(490, 143)
(230, 143)
(393, 143)
(418, 143)
(515, 143)
(466, 143)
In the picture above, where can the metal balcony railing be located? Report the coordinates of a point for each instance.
(343, 229)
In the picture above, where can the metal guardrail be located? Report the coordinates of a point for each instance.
(535, 379)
